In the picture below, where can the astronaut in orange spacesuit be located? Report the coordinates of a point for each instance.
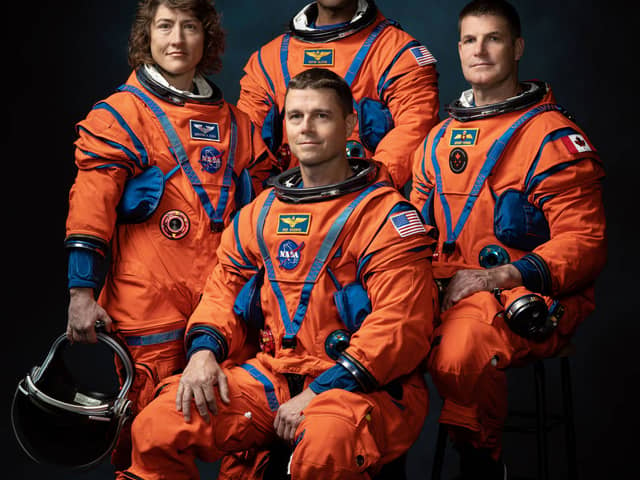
(333, 265)
(163, 164)
(392, 76)
(513, 187)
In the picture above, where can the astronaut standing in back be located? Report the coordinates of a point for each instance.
(392, 76)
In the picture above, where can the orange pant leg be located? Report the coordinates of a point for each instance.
(152, 364)
(165, 446)
(473, 347)
(348, 435)
(247, 465)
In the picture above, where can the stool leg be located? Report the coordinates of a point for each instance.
(541, 420)
(438, 458)
(569, 426)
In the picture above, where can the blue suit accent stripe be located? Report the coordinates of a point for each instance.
(544, 199)
(284, 55)
(171, 172)
(364, 50)
(155, 338)
(269, 389)
(228, 173)
(266, 75)
(139, 146)
(123, 166)
(535, 181)
(424, 157)
(493, 156)
(361, 264)
(130, 155)
(439, 185)
(421, 190)
(238, 243)
(242, 266)
(177, 150)
(549, 138)
(383, 84)
(89, 154)
(268, 263)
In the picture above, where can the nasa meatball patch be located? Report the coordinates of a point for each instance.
(210, 159)
(289, 254)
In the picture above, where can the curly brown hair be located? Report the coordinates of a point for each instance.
(140, 40)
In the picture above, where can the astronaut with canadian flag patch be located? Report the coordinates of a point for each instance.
(514, 189)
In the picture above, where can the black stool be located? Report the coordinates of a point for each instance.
(539, 422)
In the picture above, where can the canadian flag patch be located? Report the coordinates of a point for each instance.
(576, 143)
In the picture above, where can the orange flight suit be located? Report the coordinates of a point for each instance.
(384, 66)
(465, 175)
(159, 264)
(310, 251)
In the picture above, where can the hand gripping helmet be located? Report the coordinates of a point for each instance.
(58, 422)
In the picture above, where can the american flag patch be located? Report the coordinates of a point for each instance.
(407, 223)
(422, 55)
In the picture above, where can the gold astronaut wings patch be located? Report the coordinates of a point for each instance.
(314, 57)
(463, 137)
(294, 223)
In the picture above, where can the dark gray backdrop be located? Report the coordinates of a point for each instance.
(64, 56)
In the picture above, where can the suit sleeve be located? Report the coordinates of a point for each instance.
(263, 164)
(396, 272)
(412, 97)
(567, 186)
(256, 93)
(214, 318)
(107, 152)
(258, 159)
(422, 188)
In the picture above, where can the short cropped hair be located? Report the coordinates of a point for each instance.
(316, 78)
(203, 10)
(499, 8)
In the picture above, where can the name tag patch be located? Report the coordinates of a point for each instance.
(294, 224)
(318, 56)
(204, 130)
(466, 137)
